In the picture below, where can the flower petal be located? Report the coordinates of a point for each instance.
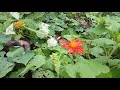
(78, 42)
(81, 43)
(70, 50)
(79, 50)
(66, 45)
(52, 42)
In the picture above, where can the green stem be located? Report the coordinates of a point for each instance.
(105, 52)
(30, 29)
(33, 30)
(114, 48)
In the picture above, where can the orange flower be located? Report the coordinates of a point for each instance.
(74, 46)
(18, 25)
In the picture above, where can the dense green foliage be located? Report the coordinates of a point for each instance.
(102, 48)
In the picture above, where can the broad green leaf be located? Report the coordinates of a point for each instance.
(60, 49)
(112, 23)
(70, 37)
(96, 51)
(1, 46)
(90, 69)
(113, 62)
(30, 23)
(38, 51)
(99, 30)
(103, 41)
(101, 59)
(2, 53)
(63, 73)
(38, 15)
(15, 74)
(69, 31)
(105, 75)
(4, 16)
(65, 60)
(40, 73)
(48, 65)
(54, 27)
(20, 56)
(16, 52)
(7, 23)
(115, 73)
(4, 38)
(5, 67)
(71, 70)
(35, 63)
(35, 15)
(25, 58)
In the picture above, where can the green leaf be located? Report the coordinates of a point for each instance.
(112, 23)
(71, 70)
(90, 69)
(1, 46)
(25, 58)
(103, 41)
(5, 66)
(105, 75)
(113, 62)
(40, 73)
(38, 51)
(16, 52)
(99, 30)
(35, 63)
(54, 27)
(38, 15)
(2, 53)
(15, 74)
(65, 60)
(20, 56)
(115, 73)
(70, 37)
(96, 51)
(48, 65)
(59, 49)
(101, 59)
(57, 67)
(30, 23)
(69, 31)
(4, 38)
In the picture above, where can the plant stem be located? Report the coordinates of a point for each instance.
(35, 31)
(105, 52)
(30, 29)
(114, 48)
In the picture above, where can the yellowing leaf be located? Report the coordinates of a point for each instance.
(15, 15)
(9, 30)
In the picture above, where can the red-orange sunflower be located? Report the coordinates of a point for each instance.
(74, 46)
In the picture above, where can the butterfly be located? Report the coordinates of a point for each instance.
(61, 40)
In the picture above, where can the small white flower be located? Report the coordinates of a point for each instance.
(15, 15)
(52, 42)
(44, 29)
(9, 30)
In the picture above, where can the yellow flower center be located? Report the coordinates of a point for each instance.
(73, 44)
